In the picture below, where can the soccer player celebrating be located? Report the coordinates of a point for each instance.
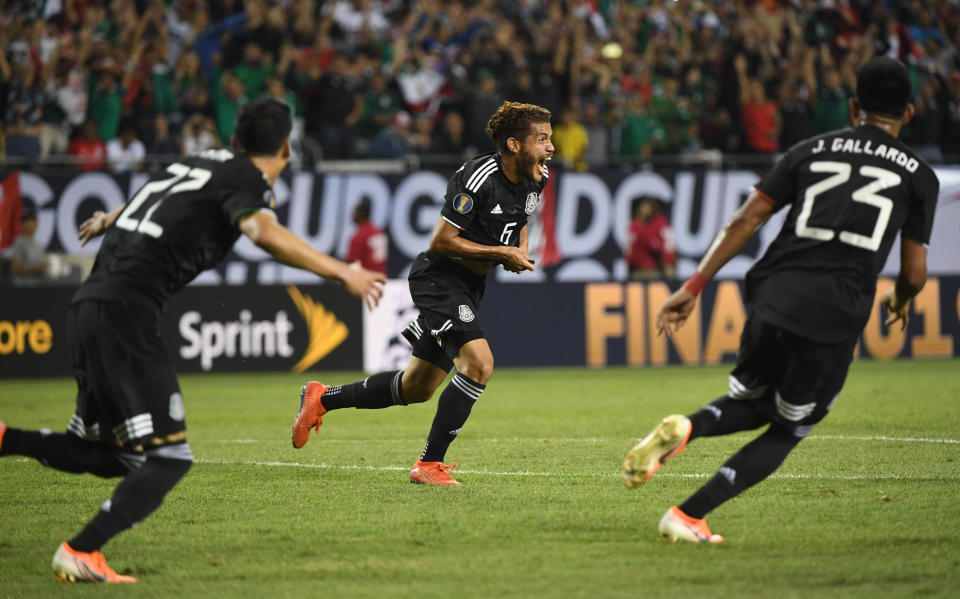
(483, 223)
(849, 193)
(130, 414)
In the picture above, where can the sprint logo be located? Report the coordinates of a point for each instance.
(325, 331)
(249, 338)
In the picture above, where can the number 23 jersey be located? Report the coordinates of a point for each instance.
(849, 193)
(176, 226)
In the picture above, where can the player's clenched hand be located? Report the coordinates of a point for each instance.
(896, 310)
(675, 311)
(516, 260)
(365, 284)
(93, 226)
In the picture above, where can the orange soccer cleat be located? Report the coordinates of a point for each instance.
(667, 440)
(311, 412)
(433, 473)
(71, 566)
(3, 429)
(677, 526)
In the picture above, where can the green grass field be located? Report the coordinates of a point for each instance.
(867, 506)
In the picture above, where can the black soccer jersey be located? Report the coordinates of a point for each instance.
(486, 206)
(175, 227)
(849, 193)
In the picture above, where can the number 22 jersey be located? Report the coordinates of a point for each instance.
(176, 226)
(849, 193)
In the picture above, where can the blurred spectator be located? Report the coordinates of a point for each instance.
(88, 147)
(830, 110)
(161, 144)
(106, 100)
(28, 259)
(369, 244)
(228, 99)
(651, 251)
(191, 86)
(393, 141)
(450, 139)
(419, 139)
(126, 153)
(570, 141)
(482, 102)
(199, 134)
(598, 137)
(24, 114)
(253, 69)
(720, 133)
(332, 107)
(926, 126)
(641, 131)
(380, 103)
(761, 122)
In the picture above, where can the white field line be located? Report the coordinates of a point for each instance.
(881, 438)
(784, 475)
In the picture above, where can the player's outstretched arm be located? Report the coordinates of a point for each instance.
(446, 240)
(910, 280)
(728, 242)
(287, 248)
(98, 224)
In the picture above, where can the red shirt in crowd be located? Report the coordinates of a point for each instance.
(651, 244)
(94, 153)
(760, 126)
(369, 246)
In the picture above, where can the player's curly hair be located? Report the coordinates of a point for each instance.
(513, 119)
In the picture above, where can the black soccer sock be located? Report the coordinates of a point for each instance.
(136, 497)
(67, 452)
(453, 409)
(755, 462)
(380, 390)
(726, 415)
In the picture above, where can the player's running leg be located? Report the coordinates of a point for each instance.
(415, 384)
(67, 452)
(474, 363)
(752, 464)
(138, 495)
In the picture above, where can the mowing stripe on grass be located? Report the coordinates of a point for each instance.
(784, 475)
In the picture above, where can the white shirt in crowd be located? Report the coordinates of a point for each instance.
(121, 158)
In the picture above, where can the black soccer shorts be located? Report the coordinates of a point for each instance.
(127, 389)
(448, 297)
(794, 380)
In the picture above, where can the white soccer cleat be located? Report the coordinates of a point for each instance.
(667, 440)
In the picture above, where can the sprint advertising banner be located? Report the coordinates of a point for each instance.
(256, 328)
(299, 328)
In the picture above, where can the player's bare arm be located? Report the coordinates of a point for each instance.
(286, 247)
(728, 242)
(98, 224)
(479, 258)
(910, 280)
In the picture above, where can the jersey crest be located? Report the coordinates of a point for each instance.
(465, 313)
(533, 198)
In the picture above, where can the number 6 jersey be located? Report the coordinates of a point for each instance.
(176, 226)
(849, 193)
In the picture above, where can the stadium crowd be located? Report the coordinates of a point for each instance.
(113, 82)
